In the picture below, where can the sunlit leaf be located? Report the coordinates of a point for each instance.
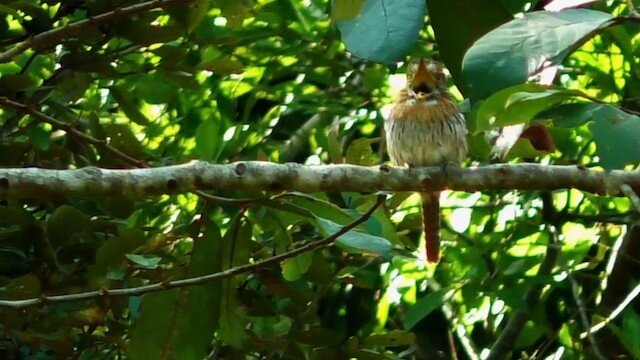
(424, 306)
(343, 10)
(514, 51)
(294, 268)
(519, 104)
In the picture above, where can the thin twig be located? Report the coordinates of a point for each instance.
(53, 36)
(627, 300)
(145, 289)
(292, 147)
(581, 308)
(628, 192)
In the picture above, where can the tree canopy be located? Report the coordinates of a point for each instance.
(116, 243)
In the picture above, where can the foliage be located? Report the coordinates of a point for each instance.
(123, 84)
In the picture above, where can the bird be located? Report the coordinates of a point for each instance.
(426, 128)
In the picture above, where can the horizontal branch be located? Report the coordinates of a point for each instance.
(17, 183)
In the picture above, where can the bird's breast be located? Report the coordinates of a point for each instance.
(427, 132)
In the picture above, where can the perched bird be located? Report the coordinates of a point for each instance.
(426, 128)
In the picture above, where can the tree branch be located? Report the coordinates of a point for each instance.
(91, 181)
(53, 36)
(140, 290)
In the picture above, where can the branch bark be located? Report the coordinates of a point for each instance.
(20, 183)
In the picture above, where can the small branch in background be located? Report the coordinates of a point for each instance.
(628, 192)
(72, 131)
(581, 308)
(54, 36)
(140, 290)
(509, 335)
(292, 147)
(617, 311)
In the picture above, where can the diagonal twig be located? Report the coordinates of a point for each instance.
(53, 36)
(69, 129)
(140, 290)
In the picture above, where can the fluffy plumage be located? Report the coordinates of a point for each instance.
(426, 128)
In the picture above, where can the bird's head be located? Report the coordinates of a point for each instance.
(425, 78)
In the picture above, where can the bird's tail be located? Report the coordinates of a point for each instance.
(431, 224)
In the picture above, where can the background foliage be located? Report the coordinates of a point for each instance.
(310, 81)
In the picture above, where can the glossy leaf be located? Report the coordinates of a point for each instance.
(519, 104)
(424, 306)
(513, 52)
(384, 32)
(356, 241)
(457, 24)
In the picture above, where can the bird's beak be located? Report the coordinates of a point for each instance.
(423, 81)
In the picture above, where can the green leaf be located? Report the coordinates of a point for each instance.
(343, 10)
(180, 323)
(236, 243)
(385, 31)
(111, 256)
(145, 261)
(355, 241)
(631, 326)
(424, 306)
(390, 339)
(189, 15)
(614, 131)
(457, 24)
(514, 51)
(66, 226)
(519, 104)
(155, 89)
(360, 153)
(617, 137)
(207, 139)
(123, 97)
(294, 268)
(41, 137)
(121, 137)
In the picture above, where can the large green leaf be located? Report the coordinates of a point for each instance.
(356, 241)
(519, 104)
(510, 54)
(616, 134)
(457, 24)
(385, 30)
(614, 131)
(424, 306)
(179, 323)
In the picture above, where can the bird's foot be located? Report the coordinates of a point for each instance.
(445, 166)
